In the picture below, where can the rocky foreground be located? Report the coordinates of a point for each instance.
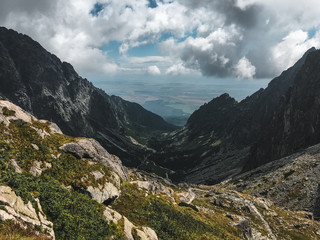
(53, 186)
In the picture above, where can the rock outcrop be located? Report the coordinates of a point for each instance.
(144, 233)
(90, 148)
(11, 112)
(23, 214)
(66, 171)
(104, 194)
(291, 182)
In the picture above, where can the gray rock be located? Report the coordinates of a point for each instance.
(19, 113)
(90, 148)
(35, 146)
(154, 187)
(187, 197)
(14, 165)
(128, 227)
(97, 175)
(38, 167)
(104, 194)
(21, 213)
(112, 215)
(150, 233)
(245, 225)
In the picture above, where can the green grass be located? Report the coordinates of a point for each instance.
(168, 220)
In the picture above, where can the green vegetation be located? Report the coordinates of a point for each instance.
(168, 220)
(8, 112)
(74, 214)
(70, 171)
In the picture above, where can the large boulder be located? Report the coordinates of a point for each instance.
(153, 187)
(104, 194)
(90, 148)
(112, 216)
(23, 214)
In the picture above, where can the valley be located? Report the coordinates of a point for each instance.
(77, 163)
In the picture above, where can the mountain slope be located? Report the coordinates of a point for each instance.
(216, 141)
(291, 182)
(56, 186)
(43, 85)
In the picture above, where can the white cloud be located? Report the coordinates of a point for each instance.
(153, 70)
(178, 69)
(148, 59)
(209, 36)
(292, 47)
(244, 69)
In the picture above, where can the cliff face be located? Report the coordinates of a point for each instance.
(295, 124)
(50, 89)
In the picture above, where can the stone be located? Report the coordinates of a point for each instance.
(14, 165)
(104, 194)
(127, 228)
(187, 197)
(154, 187)
(19, 113)
(35, 146)
(141, 235)
(245, 225)
(38, 167)
(112, 215)
(150, 233)
(23, 214)
(90, 148)
(97, 175)
(54, 128)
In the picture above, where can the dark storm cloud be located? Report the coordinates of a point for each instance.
(243, 38)
(28, 7)
(222, 58)
(232, 13)
(210, 63)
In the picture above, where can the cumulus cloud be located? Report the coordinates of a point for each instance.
(153, 70)
(244, 69)
(293, 46)
(178, 69)
(241, 38)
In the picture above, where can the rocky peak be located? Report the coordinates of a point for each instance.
(40, 83)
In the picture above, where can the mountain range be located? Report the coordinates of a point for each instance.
(64, 178)
(224, 137)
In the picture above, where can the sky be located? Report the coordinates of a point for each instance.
(151, 40)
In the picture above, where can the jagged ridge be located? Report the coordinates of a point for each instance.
(50, 89)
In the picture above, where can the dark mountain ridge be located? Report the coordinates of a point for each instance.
(295, 125)
(50, 89)
(218, 138)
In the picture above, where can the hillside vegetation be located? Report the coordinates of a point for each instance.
(71, 188)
